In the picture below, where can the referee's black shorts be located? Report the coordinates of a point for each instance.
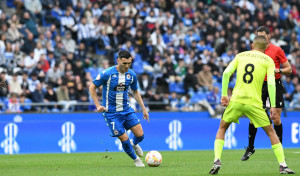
(279, 93)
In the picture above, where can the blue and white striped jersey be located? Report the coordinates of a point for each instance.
(115, 88)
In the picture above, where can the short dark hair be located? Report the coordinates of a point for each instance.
(124, 54)
(263, 29)
(260, 42)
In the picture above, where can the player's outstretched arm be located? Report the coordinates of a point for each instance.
(138, 98)
(93, 93)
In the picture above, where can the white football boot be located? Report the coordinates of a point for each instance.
(138, 150)
(138, 162)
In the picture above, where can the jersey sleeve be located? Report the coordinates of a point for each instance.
(226, 75)
(101, 79)
(271, 83)
(281, 56)
(134, 84)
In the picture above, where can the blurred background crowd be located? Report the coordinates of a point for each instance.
(51, 50)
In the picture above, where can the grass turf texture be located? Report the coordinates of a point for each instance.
(182, 163)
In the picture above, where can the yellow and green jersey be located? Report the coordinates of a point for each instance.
(252, 67)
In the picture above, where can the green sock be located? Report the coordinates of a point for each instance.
(218, 148)
(278, 150)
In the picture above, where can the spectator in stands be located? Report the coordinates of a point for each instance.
(9, 57)
(174, 102)
(53, 75)
(25, 103)
(30, 62)
(51, 97)
(214, 97)
(38, 96)
(295, 103)
(186, 104)
(13, 104)
(180, 69)
(15, 85)
(30, 27)
(68, 23)
(80, 52)
(145, 83)
(204, 78)
(33, 82)
(288, 85)
(69, 43)
(62, 93)
(82, 107)
(4, 89)
(13, 34)
(190, 81)
(34, 7)
(156, 103)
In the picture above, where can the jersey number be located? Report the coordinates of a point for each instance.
(113, 124)
(248, 73)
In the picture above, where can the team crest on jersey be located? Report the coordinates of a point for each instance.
(116, 132)
(128, 76)
(120, 87)
(98, 77)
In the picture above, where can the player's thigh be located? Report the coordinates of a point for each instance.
(258, 116)
(279, 94)
(137, 130)
(115, 126)
(132, 122)
(233, 112)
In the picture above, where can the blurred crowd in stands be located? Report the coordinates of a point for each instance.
(51, 50)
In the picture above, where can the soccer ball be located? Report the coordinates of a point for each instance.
(153, 158)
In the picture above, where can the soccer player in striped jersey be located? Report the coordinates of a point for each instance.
(118, 114)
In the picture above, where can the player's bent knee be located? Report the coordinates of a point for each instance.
(277, 121)
(123, 137)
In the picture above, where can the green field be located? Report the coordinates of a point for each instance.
(182, 163)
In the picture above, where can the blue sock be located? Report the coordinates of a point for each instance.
(128, 149)
(137, 140)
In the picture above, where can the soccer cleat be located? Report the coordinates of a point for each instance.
(138, 150)
(247, 154)
(138, 162)
(216, 167)
(285, 170)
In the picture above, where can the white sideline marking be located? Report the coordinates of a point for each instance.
(296, 152)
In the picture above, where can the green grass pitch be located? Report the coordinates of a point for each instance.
(183, 163)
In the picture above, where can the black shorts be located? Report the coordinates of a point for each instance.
(279, 93)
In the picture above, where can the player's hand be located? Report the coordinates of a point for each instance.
(145, 114)
(276, 70)
(224, 101)
(272, 113)
(100, 108)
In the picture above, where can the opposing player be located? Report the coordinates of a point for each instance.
(251, 66)
(278, 56)
(118, 114)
